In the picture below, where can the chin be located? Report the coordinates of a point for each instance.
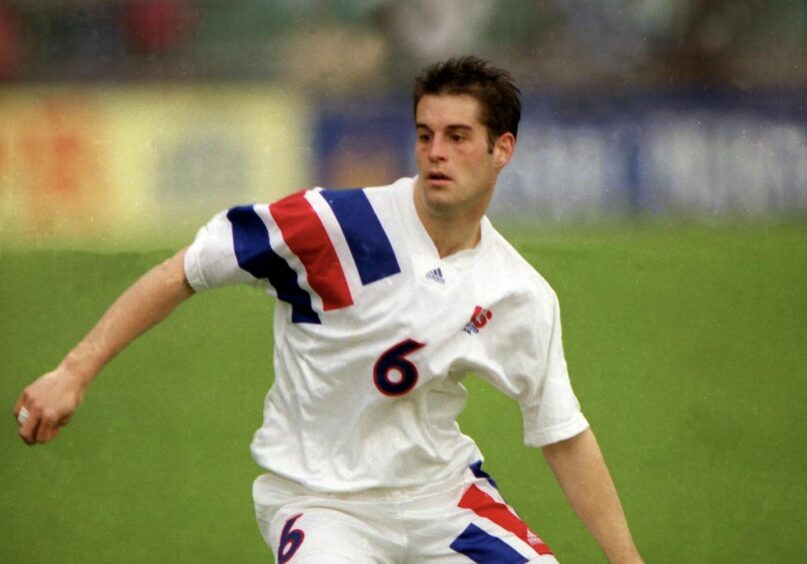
(436, 194)
(442, 204)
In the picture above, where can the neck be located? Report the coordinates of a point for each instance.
(450, 232)
(450, 239)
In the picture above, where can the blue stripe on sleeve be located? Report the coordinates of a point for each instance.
(256, 256)
(484, 548)
(476, 468)
(365, 236)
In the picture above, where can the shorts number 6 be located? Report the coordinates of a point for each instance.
(290, 540)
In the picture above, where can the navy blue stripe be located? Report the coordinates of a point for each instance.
(483, 548)
(476, 468)
(368, 243)
(256, 256)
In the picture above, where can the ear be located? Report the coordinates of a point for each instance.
(503, 150)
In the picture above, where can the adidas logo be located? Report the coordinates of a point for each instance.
(436, 275)
(479, 318)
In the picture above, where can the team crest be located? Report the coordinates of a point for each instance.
(479, 319)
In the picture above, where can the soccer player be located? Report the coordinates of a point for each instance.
(386, 298)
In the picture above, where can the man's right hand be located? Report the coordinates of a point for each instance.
(50, 401)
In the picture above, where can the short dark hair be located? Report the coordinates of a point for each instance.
(493, 88)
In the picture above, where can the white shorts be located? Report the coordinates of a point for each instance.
(463, 520)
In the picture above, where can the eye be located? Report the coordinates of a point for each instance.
(457, 137)
(424, 137)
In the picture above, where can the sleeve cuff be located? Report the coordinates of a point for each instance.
(193, 273)
(557, 433)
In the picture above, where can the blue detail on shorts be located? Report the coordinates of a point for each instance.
(476, 468)
(484, 548)
(256, 256)
(290, 540)
(368, 243)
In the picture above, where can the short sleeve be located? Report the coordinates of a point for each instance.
(552, 412)
(211, 261)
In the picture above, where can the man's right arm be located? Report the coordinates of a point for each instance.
(53, 398)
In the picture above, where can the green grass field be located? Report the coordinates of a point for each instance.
(687, 347)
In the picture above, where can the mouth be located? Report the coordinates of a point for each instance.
(437, 178)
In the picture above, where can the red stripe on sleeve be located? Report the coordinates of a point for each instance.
(485, 506)
(307, 238)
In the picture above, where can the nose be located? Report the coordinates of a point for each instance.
(436, 150)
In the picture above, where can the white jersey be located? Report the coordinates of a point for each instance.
(374, 333)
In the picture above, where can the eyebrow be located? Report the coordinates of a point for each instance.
(449, 127)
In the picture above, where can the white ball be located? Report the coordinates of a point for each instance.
(22, 416)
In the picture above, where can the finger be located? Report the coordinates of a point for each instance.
(49, 434)
(28, 430)
(18, 405)
(49, 428)
(44, 432)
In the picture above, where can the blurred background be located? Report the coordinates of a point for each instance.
(661, 167)
(135, 120)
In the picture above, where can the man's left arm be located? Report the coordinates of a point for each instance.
(580, 469)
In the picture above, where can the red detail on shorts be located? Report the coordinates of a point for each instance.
(307, 238)
(486, 506)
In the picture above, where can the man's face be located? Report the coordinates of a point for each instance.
(457, 166)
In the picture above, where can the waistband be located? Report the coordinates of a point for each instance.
(448, 490)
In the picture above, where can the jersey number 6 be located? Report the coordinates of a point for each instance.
(394, 360)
